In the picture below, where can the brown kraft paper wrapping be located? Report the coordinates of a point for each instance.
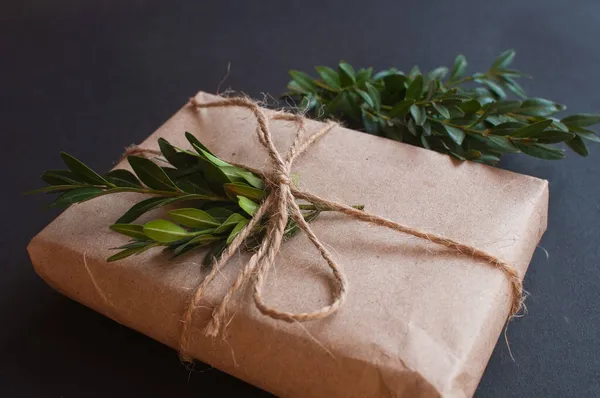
(419, 321)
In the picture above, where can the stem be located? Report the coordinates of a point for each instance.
(489, 73)
(523, 117)
(483, 133)
(460, 81)
(149, 191)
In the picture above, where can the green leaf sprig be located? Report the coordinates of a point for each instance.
(217, 199)
(469, 117)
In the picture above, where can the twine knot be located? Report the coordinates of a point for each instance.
(280, 204)
(281, 178)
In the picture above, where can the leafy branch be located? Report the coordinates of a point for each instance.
(465, 116)
(217, 199)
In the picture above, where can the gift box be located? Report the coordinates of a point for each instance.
(419, 319)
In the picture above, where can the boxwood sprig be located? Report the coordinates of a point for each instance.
(210, 201)
(465, 116)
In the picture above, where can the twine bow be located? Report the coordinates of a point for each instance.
(279, 205)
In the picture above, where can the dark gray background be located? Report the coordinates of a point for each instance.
(90, 77)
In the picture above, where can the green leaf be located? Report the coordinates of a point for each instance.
(236, 230)
(426, 128)
(504, 59)
(179, 159)
(237, 188)
(195, 142)
(530, 129)
(401, 108)
(292, 228)
(472, 154)
(504, 107)
(466, 120)
(393, 89)
(215, 177)
(507, 128)
(164, 231)
(488, 159)
(577, 145)
(131, 251)
(460, 66)
(167, 150)
(151, 174)
(456, 134)
(418, 113)
(414, 72)
(455, 112)
(537, 107)
(309, 102)
(451, 101)
(294, 88)
(219, 213)
(552, 136)
(441, 109)
(385, 73)
(581, 120)
(374, 95)
(438, 73)
(75, 196)
(368, 100)
(311, 97)
(588, 135)
(252, 179)
(470, 106)
(370, 123)
(232, 173)
(193, 218)
(499, 144)
(347, 75)
(541, 151)
(348, 105)
(211, 158)
(559, 125)
(247, 205)
(193, 184)
(134, 244)
(496, 89)
(329, 76)
(303, 80)
(133, 230)
(412, 128)
(513, 86)
(415, 89)
(81, 170)
(511, 72)
(61, 177)
(123, 178)
(432, 87)
(364, 75)
(140, 208)
(150, 204)
(229, 223)
(194, 243)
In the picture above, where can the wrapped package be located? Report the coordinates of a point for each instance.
(419, 320)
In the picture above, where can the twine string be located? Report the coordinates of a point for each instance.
(276, 208)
